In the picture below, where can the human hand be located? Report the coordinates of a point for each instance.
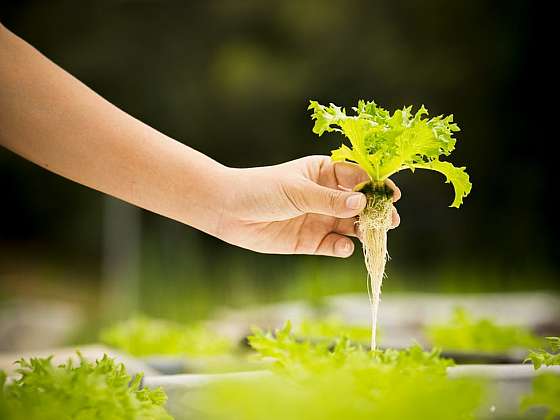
(305, 206)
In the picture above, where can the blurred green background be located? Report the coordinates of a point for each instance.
(233, 79)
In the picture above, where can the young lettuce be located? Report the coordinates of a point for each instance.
(100, 390)
(332, 328)
(465, 333)
(546, 387)
(542, 357)
(383, 144)
(143, 336)
(319, 381)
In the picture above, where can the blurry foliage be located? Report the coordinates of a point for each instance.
(295, 356)
(142, 336)
(314, 381)
(542, 357)
(87, 391)
(546, 387)
(481, 335)
(546, 393)
(332, 328)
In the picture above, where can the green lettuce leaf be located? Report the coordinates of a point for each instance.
(318, 380)
(542, 357)
(144, 336)
(383, 143)
(87, 391)
(465, 333)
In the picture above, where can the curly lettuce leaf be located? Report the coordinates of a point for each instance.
(100, 390)
(546, 387)
(313, 380)
(542, 357)
(456, 176)
(384, 143)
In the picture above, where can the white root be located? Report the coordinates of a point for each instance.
(375, 220)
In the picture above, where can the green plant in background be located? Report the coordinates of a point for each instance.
(143, 336)
(542, 357)
(333, 329)
(291, 353)
(546, 387)
(384, 143)
(313, 380)
(100, 390)
(482, 335)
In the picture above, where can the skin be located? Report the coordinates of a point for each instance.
(305, 206)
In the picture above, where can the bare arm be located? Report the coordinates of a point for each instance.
(54, 120)
(50, 118)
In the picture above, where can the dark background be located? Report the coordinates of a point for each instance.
(233, 79)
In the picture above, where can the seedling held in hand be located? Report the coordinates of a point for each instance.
(384, 143)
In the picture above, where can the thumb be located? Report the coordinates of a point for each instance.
(329, 201)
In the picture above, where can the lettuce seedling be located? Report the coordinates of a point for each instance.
(384, 143)
(317, 381)
(143, 336)
(101, 391)
(546, 387)
(332, 328)
(463, 332)
(293, 355)
(542, 357)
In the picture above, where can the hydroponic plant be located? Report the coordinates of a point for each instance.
(97, 391)
(316, 381)
(384, 143)
(546, 387)
(331, 329)
(143, 336)
(482, 335)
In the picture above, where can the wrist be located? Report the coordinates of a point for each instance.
(187, 186)
(213, 198)
(236, 199)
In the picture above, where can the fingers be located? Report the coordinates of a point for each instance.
(348, 175)
(335, 245)
(348, 227)
(317, 199)
(396, 219)
(396, 190)
(338, 243)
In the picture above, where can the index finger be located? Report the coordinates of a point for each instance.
(396, 190)
(348, 175)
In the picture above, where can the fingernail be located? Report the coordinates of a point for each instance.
(344, 247)
(356, 202)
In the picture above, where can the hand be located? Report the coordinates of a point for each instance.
(305, 206)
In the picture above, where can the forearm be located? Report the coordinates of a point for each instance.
(52, 119)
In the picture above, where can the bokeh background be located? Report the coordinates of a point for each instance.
(233, 79)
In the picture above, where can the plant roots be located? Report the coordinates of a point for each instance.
(374, 222)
